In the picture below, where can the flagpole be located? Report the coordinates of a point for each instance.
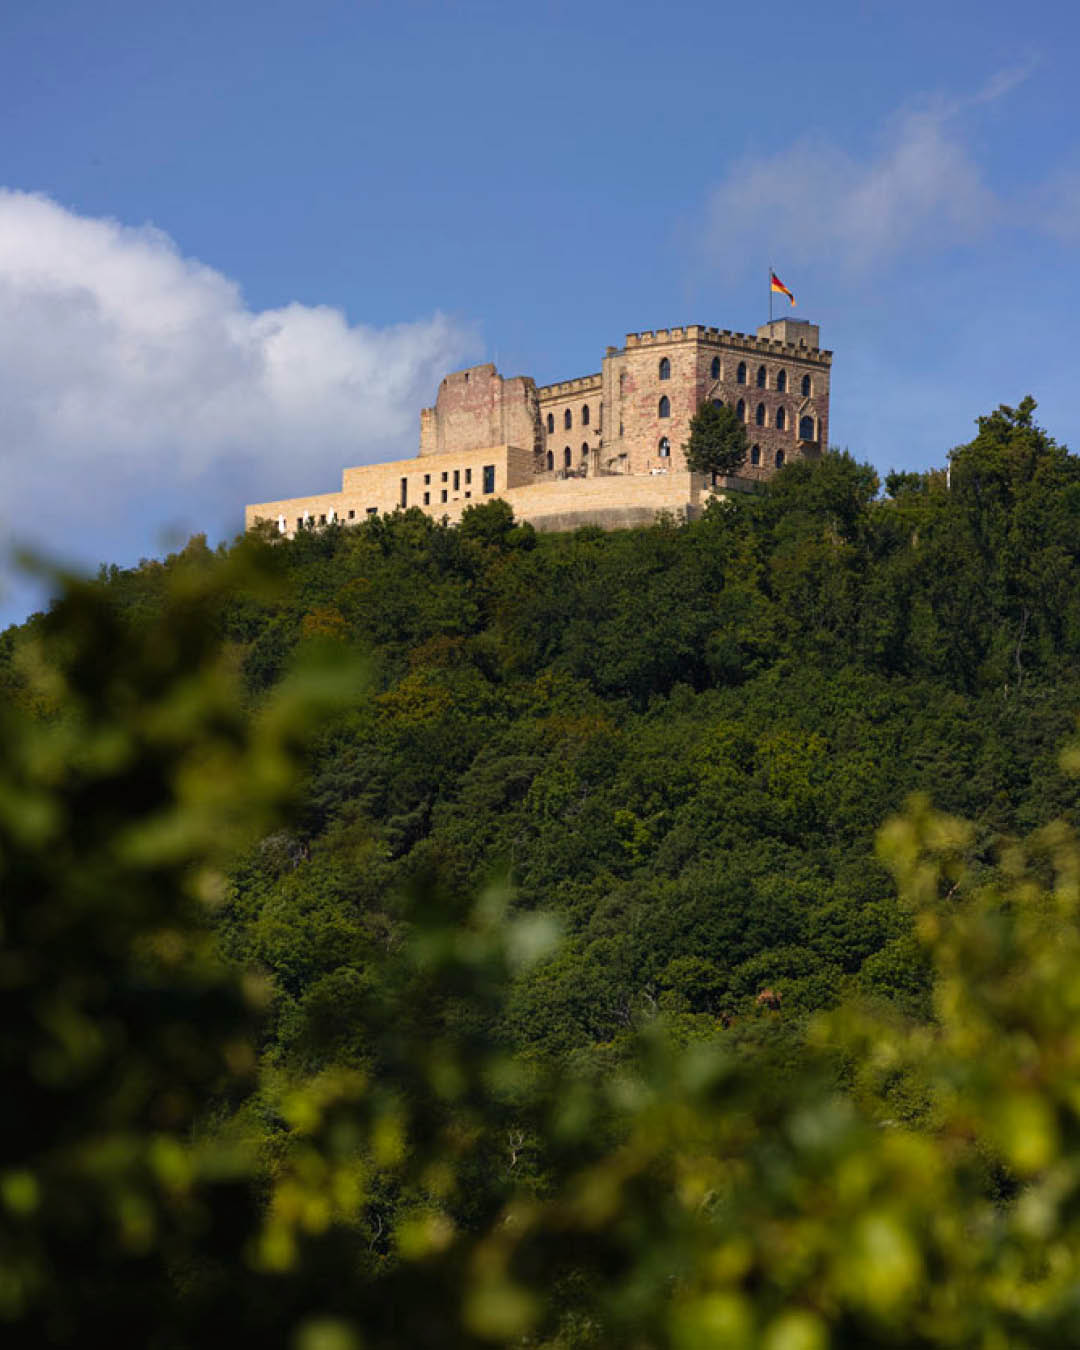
(770, 299)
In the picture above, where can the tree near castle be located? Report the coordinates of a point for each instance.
(717, 443)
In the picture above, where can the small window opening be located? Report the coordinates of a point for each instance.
(584, 414)
(568, 419)
(740, 410)
(715, 368)
(761, 377)
(551, 459)
(806, 428)
(665, 368)
(468, 475)
(759, 415)
(755, 454)
(551, 421)
(781, 381)
(664, 448)
(779, 459)
(781, 419)
(807, 386)
(740, 374)
(457, 480)
(566, 457)
(489, 477)
(665, 407)
(404, 492)
(352, 515)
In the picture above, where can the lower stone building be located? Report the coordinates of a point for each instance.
(603, 449)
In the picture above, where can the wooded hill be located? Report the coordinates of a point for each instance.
(568, 813)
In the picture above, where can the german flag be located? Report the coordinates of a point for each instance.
(778, 285)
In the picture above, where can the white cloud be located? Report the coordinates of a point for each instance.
(922, 187)
(131, 376)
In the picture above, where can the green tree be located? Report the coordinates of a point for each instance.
(717, 441)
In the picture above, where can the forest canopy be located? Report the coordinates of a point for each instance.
(418, 935)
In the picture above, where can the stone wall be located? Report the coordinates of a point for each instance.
(477, 407)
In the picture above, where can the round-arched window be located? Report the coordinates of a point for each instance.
(781, 419)
(568, 419)
(551, 459)
(664, 447)
(761, 377)
(715, 368)
(740, 410)
(755, 454)
(584, 414)
(665, 368)
(566, 457)
(779, 459)
(551, 421)
(665, 407)
(759, 415)
(781, 381)
(807, 386)
(806, 428)
(740, 374)
(584, 450)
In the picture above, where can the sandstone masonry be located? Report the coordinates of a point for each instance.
(603, 449)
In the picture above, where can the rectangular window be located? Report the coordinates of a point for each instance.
(372, 510)
(468, 494)
(457, 480)
(468, 475)
(427, 480)
(444, 477)
(444, 494)
(352, 515)
(322, 520)
(489, 477)
(404, 492)
(299, 522)
(427, 498)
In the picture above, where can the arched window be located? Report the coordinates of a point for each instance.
(584, 414)
(759, 416)
(779, 459)
(761, 377)
(807, 387)
(755, 454)
(740, 374)
(781, 381)
(551, 459)
(551, 421)
(665, 407)
(740, 410)
(584, 450)
(566, 457)
(568, 419)
(715, 368)
(718, 402)
(665, 368)
(664, 448)
(806, 428)
(781, 419)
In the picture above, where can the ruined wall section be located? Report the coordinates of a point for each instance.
(478, 407)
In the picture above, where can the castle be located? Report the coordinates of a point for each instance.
(602, 449)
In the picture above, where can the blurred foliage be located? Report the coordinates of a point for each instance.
(418, 936)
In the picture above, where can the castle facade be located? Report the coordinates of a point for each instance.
(603, 449)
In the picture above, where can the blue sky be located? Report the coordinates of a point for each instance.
(240, 243)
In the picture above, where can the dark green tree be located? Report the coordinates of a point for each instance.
(717, 441)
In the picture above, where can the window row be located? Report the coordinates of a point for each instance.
(568, 418)
(780, 383)
(664, 451)
(451, 477)
(568, 456)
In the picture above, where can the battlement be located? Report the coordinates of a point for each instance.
(725, 337)
(584, 384)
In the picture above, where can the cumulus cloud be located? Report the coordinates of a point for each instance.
(130, 374)
(921, 187)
